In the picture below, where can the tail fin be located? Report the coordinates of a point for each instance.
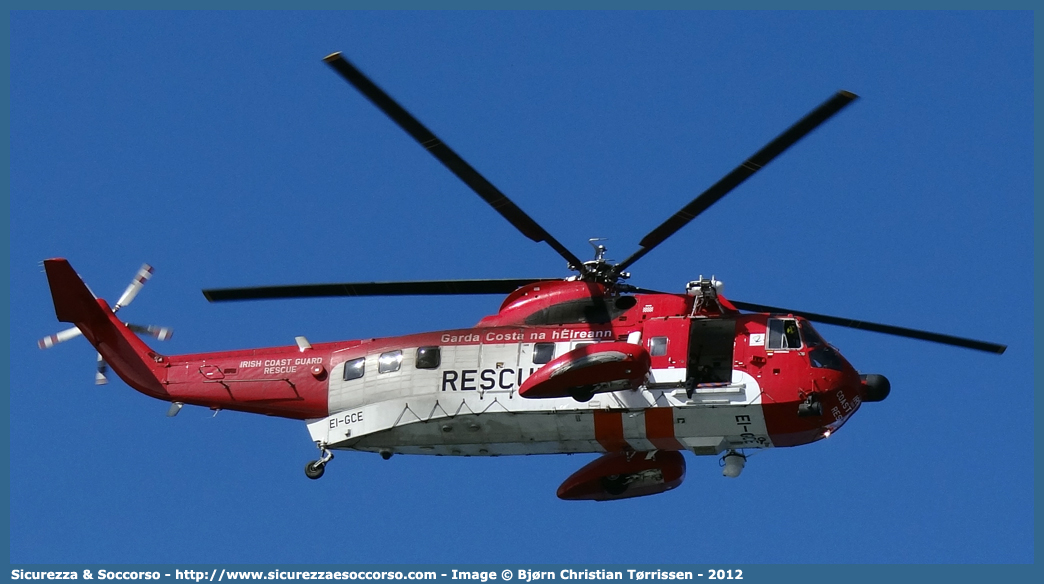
(129, 357)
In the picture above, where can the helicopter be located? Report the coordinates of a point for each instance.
(583, 364)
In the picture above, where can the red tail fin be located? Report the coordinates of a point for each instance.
(129, 357)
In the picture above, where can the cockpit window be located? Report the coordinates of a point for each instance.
(826, 358)
(783, 334)
(809, 334)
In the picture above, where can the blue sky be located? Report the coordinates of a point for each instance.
(219, 148)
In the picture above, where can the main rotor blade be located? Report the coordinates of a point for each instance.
(424, 288)
(741, 173)
(471, 177)
(877, 328)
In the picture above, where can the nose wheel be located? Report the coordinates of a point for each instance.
(316, 468)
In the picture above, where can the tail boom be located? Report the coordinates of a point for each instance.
(297, 388)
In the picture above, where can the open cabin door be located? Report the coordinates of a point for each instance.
(686, 352)
(711, 344)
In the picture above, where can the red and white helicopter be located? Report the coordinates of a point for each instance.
(588, 363)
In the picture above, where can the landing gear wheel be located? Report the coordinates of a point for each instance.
(315, 469)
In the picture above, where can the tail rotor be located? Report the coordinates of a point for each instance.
(161, 333)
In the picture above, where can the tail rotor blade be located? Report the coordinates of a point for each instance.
(143, 275)
(161, 333)
(59, 337)
(99, 376)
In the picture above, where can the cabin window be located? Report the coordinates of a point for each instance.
(657, 346)
(354, 369)
(783, 334)
(428, 358)
(543, 352)
(390, 361)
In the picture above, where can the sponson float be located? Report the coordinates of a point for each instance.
(583, 364)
